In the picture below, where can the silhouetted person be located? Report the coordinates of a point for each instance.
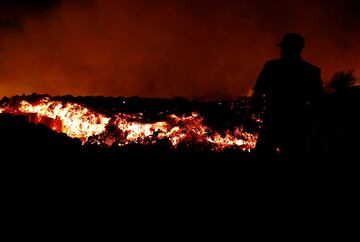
(288, 90)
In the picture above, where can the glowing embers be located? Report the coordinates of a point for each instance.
(78, 121)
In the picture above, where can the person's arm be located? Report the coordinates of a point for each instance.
(315, 106)
(257, 101)
(260, 91)
(319, 87)
(316, 95)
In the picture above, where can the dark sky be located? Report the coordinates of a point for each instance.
(164, 48)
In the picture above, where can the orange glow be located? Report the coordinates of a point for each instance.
(200, 50)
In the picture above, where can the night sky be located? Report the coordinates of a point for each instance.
(199, 49)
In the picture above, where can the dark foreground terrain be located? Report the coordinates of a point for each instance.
(48, 175)
(137, 186)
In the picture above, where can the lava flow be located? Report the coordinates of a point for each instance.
(78, 121)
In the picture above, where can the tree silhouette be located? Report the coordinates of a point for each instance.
(342, 80)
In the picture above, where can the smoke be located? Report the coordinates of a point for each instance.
(165, 48)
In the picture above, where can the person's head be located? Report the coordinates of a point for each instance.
(292, 46)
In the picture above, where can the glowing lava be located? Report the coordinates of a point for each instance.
(78, 121)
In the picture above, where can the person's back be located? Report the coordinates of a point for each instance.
(288, 88)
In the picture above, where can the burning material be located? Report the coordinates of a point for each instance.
(78, 121)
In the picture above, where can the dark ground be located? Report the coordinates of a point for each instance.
(48, 175)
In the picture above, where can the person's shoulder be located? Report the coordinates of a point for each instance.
(311, 67)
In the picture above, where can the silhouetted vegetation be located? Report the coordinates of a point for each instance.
(342, 80)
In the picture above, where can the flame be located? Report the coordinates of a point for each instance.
(78, 121)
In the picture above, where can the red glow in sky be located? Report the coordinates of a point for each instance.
(196, 49)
